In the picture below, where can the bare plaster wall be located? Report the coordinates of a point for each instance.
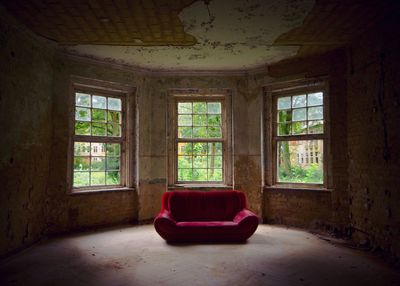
(26, 77)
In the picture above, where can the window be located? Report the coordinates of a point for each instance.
(100, 145)
(297, 133)
(200, 143)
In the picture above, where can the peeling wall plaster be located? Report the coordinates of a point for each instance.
(231, 35)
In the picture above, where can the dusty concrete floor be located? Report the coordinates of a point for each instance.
(136, 255)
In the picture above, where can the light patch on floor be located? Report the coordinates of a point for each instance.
(136, 255)
(231, 35)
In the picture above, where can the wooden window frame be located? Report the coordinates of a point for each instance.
(291, 88)
(204, 95)
(127, 140)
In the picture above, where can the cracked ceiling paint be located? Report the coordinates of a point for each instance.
(231, 35)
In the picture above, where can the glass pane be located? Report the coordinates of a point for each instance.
(81, 163)
(113, 178)
(82, 114)
(215, 175)
(184, 132)
(82, 128)
(98, 115)
(299, 114)
(199, 132)
(299, 127)
(214, 107)
(184, 162)
(284, 115)
(200, 148)
(316, 127)
(114, 130)
(199, 107)
(199, 161)
(184, 120)
(284, 129)
(81, 149)
(300, 161)
(200, 120)
(299, 101)
(214, 161)
(315, 113)
(113, 149)
(114, 104)
(81, 179)
(97, 178)
(99, 102)
(99, 129)
(98, 163)
(113, 163)
(114, 116)
(284, 103)
(185, 149)
(184, 107)
(98, 149)
(199, 175)
(214, 132)
(315, 99)
(82, 99)
(215, 148)
(214, 120)
(185, 174)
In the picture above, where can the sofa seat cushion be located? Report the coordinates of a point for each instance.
(206, 224)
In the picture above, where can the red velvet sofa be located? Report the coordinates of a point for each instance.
(205, 216)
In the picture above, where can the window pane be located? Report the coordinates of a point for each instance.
(214, 107)
(99, 102)
(214, 120)
(185, 132)
(114, 130)
(82, 114)
(215, 148)
(315, 113)
(214, 132)
(284, 115)
(316, 127)
(284, 129)
(299, 114)
(98, 115)
(200, 162)
(315, 99)
(113, 163)
(200, 120)
(98, 164)
(113, 149)
(199, 107)
(81, 163)
(295, 164)
(199, 175)
(82, 99)
(113, 178)
(185, 149)
(299, 127)
(81, 149)
(114, 103)
(99, 129)
(185, 174)
(81, 179)
(215, 175)
(114, 116)
(299, 101)
(98, 149)
(82, 128)
(184, 162)
(184, 107)
(215, 161)
(199, 132)
(184, 120)
(97, 178)
(200, 148)
(284, 103)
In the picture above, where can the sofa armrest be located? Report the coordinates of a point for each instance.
(165, 215)
(245, 214)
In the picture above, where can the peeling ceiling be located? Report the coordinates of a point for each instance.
(230, 34)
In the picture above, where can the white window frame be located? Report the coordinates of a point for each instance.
(291, 88)
(223, 95)
(128, 100)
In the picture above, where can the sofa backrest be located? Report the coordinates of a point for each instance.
(205, 205)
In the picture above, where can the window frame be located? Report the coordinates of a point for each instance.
(292, 88)
(127, 140)
(195, 95)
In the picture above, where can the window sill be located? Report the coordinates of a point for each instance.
(97, 191)
(297, 188)
(199, 187)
